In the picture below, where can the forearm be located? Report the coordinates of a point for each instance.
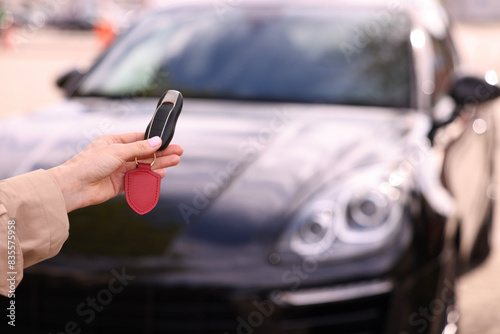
(71, 189)
(34, 205)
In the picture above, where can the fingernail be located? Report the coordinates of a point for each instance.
(155, 141)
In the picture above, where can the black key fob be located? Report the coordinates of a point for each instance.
(165, 118)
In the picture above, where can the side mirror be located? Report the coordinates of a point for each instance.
(473, 90)
(69, 81)
(467, 90)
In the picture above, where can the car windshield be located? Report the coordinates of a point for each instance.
(311, 55)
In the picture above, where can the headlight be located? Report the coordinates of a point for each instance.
(368, 210)
(353, 220)
(317, 229)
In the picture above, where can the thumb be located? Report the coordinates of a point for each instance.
(139, 149)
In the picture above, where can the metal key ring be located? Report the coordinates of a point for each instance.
(154, 160)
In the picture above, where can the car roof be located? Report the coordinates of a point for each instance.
(429, 14)
(329, 3)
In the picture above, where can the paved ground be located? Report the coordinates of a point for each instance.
(28, 72)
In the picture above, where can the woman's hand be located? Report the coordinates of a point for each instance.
(97, 173)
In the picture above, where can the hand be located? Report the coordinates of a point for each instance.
(97, 173)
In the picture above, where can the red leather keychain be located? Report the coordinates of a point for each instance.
(142, 187)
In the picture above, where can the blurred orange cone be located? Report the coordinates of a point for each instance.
(105, 32)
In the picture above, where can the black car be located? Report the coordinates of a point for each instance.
(337, 175)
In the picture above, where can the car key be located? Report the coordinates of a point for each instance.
(165, 118)
(142, 184)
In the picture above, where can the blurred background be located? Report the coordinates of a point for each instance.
(42, 39)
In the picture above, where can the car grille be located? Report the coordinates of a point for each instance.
(362, 316)
(48, 305)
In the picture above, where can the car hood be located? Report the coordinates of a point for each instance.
(247, 166)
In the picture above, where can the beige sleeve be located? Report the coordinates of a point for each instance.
(32, 209)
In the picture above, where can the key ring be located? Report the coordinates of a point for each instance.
(154, 159)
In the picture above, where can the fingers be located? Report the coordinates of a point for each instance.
(125, 138)
(164, 158)
(163, 161)
(128, 146)
(160, 172)
(139, 149)
(171, 149)
(168, 158)
(145, 148)
(167, 161)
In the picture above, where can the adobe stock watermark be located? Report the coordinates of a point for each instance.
(293, 278)
(12, 276)
(295, 275)
(88, 308)
(248, 150)
(120, 108)
(44, 10)
(364, 34)
(421, 318)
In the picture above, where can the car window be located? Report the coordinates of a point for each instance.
(286, 54)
